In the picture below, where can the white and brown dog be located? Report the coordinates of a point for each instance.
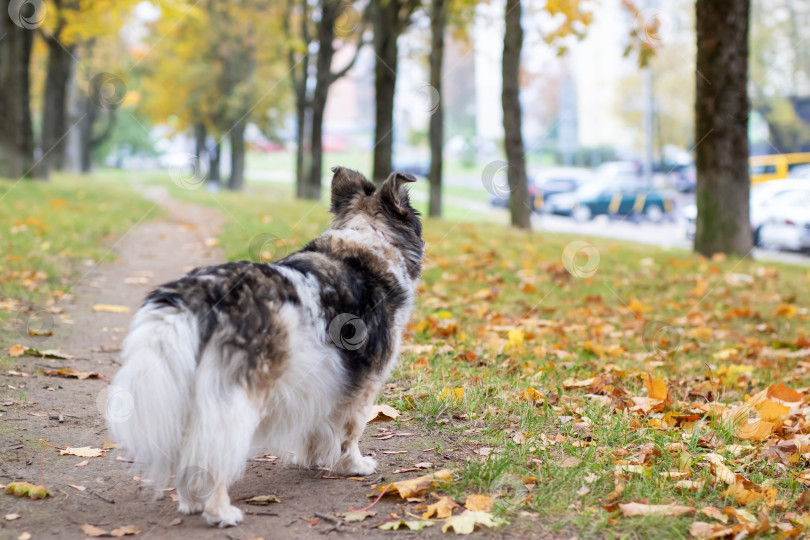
(286, 357)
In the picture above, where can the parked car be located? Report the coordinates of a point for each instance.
(623, 195)
(791, 230)
(683, 178)
(767, 202)
(550, 181)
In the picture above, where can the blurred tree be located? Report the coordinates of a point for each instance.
(389, 19)
(787, 131)
(16, 135)
(572, 19)
(438, 23)
(721, 128)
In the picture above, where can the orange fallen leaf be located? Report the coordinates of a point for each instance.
(479, 502)
(530, 394)
(755, 431)
(418, 486)
(126, 530)
(782, 393)
(641, 509)
(16, 350)
(442, 508)
(750, 494)
(657, 388)
(92, 531)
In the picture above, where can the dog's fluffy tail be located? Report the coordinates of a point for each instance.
(149, 397)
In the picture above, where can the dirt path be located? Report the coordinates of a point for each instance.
(66, 412)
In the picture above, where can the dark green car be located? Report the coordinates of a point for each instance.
(620, 197)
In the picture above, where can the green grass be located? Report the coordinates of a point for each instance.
(480, 281)
(52, 232)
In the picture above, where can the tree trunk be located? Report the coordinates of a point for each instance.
(299, 71)
(54, 114)
(438, 21)
(199, 148)
(519, 206)
(385, 78)
(214, 174)
(16, 134)
(237, 180)
(89, 112)
(721, 128)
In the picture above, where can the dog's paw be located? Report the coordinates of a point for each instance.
(363, 466)
(189, 508)
(226, 517)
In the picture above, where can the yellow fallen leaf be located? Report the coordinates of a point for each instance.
(755, 431)
(111, 308)
(530, 394)
(92, 531)
(16, 350)
(84, 451)
(412, 525)
(514, 338)
(126, 530)
(26, 489)
(350, 516)
(417, 486)
(770, 410)
(382, 413)
(641, 509)
(456, 395)
(657, 388)
(479, 503)
(263, 500)
(751, 494)
(441, 509)
(705, 531)
(466, 522)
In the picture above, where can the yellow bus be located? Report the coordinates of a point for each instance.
(776, 166)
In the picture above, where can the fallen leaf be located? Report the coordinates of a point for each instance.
(84, 451)
(705, 531)
(25, 489)
(479, 503)
(782, 393)
(356, 516)
(68, 373)
(441, 509)
(418, 486)
(466, 522)
(750, 494)
(570, 462)
(53, 354)
(530, 394)
(126, 530)
(382, 413)
(755, 431)
(24, 536)
(16, 350)
(11, 517)
(657, 388)
(74, 486)
(641, 509)
(84, 463)
(412, 525)
(92, 531)
(263, 500)
(770, 410)
(111, 308)
(715, 513)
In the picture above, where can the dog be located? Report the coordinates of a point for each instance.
(287, 357)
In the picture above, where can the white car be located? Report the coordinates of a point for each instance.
(768, 202)
(791, 230)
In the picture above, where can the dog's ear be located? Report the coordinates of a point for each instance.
(346, 185)
(394, 195)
